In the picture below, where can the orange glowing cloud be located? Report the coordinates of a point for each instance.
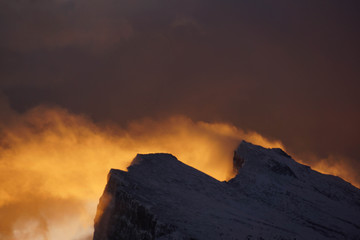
(335, 165)
(53, 165)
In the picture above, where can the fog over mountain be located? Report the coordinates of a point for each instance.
(288, 70)
(92, 83)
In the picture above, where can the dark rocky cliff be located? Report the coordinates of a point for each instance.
(271, 197)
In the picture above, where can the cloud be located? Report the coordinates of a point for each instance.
(62, 24)
(53, 164)
(188, 22)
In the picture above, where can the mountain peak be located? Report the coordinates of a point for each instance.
(250, 157)
(153, 159)
(271, 197)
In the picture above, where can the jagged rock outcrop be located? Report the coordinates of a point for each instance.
(271, 197)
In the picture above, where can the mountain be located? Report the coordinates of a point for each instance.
(271, 197)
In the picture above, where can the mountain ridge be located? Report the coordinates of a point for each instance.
(271, 197)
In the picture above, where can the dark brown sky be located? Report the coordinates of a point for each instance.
(286, 69)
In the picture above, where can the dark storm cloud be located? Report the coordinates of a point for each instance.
(288, 70)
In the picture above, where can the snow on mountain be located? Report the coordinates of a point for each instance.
(271, 197)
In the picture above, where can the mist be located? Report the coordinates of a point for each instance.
(287, 70)
(54, 164)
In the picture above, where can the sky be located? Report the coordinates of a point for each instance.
(210, 73)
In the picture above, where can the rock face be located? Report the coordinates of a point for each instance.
(271, 197)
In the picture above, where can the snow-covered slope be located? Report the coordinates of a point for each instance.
(271, 197)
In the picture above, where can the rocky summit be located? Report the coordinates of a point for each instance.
(271, 197)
